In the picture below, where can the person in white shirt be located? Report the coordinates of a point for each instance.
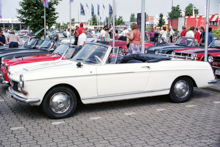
(171, 34)
(163, 33)
(68, 33)
(125, 32)
(82, 38)
(103, 33)
(6, 33)
(190, 33)
(93, 32)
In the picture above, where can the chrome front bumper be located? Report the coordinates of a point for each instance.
(212, 81)
(11, 95)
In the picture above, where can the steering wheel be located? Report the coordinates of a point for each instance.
(98, 59)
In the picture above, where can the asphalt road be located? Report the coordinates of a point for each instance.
(154, 121)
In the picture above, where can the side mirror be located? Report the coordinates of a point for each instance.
(79, 64)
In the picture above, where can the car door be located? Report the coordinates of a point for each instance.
(113, 79)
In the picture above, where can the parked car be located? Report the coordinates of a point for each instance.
(90, 77)
(216, 65)
(198, 53)
(184, 42)
(63, 52)
(29, 51)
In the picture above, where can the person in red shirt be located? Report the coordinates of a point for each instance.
(197, 35)
(184, 31)
(80, 30)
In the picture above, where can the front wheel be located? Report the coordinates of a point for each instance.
(181, 90)
(60, 102)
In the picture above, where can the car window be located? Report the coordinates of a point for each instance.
(215, 44)
(89, 35)
(70, 53)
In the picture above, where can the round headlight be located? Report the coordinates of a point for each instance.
(145, 51)
(210, 59)
(156, 52)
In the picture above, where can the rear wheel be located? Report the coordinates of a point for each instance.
(181, 90)
(60, 102)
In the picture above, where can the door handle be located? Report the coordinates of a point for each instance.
(148, 67)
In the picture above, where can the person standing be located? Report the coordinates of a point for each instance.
(135, 40)
(171, 34)
(163, 33)
(76, 35)
(190, 33)
(6, 33)
(107, 36)
(202, 36)
(102, 33)
(116, 35)
(183, 33)
(13, 40)
(152, 35)
(68, 33)
(80, 30)
(197, 35)
(44, 37)
(82, 38)
(3, 39)
(210, 36)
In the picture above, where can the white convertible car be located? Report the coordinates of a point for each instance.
(98, 74)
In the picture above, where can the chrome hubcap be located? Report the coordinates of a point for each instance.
(181, 89)
(60, 102)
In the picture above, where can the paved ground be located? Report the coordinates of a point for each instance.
(145, 122)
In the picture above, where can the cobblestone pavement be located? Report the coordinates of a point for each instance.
(153, 121)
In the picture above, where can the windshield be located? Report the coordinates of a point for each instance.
(89, 35)
(91, 54)
(61, 49)
(61, 35)
(185, 41)
(215, 44)
(32, 42)
(69, 54)
(46, 44)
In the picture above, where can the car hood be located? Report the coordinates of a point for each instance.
(197, 50)
(53, 70)
(21, 51)
(30, 59)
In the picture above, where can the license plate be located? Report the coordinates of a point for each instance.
(217, 72)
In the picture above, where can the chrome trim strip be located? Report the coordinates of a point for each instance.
(122, 94)
(215, 67)
(5, 82)
(10, 95)
(212, 81)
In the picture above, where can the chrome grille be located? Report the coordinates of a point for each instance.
(14, 85)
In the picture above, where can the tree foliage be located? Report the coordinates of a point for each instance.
(119, 21)
(161, 20)
(31, 13)
(73, 20)
(175, 12)
(133, 18)
(189, 10)
(93, 20)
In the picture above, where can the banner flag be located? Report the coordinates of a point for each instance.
(92, 10)
(98, 10)
(45, 3)
(110, 10)
(82, 9)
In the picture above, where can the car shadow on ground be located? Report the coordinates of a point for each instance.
(35, 112)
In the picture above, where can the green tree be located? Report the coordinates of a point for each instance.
(73, 20)
(161, 20)
(31, 13)
(93, 20)
(189, 10)
(133, 18)
(176, 12)
(58, 26)
(119, 21)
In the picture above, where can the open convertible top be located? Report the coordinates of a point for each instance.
(139, 58)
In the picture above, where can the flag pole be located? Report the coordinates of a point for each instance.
(70, 22)
(113, 24)
(143, 24)
(45, 21)
(207, 29)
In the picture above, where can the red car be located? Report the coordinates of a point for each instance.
(61, 51)
(216, 65)
(198, 53)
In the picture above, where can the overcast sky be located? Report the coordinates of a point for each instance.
(124, 7)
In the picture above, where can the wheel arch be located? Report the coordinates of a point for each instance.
(66, 85)
(186, 76)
